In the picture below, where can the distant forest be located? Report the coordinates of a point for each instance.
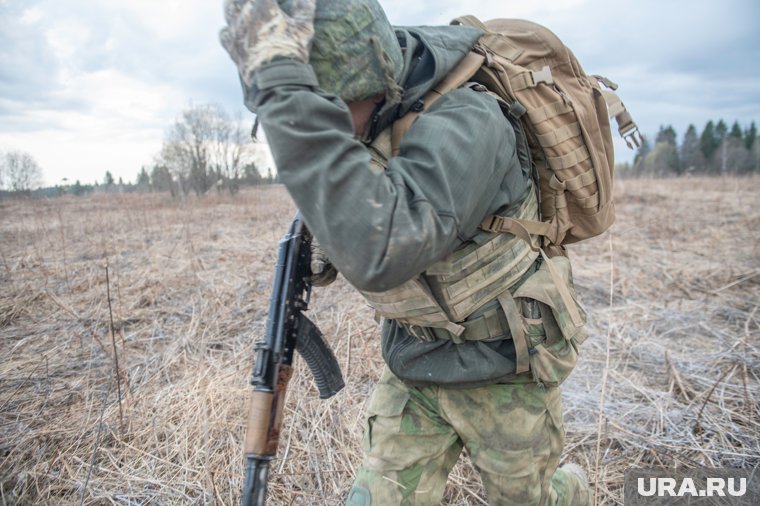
(716, 150)
(192, 163)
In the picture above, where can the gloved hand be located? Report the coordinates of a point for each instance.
(322, 271)
(258, 31)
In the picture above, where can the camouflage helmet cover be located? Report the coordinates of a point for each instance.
(355, 52)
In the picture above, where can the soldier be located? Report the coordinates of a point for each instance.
(327, 82)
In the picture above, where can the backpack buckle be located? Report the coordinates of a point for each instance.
(542, 76)
(632, 136)
(493, 223)
(420, 332)
(488, 55)
(610, 85)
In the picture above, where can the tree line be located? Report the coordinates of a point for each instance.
(156, 179)
(204, 150)
(716, 150)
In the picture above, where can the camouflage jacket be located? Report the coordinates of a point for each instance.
(457, 165)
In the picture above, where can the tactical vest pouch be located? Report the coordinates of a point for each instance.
(551, 341)
(546, 325)
(443, 302)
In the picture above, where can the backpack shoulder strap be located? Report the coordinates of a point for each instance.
(463, 71)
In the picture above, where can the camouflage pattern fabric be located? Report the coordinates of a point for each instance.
(512, 432)
(258, 31)
(355, 53)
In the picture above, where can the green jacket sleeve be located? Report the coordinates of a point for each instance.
(457, 164)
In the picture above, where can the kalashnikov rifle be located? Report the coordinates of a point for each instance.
(287, 330)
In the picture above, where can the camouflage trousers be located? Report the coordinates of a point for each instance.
(512, 432)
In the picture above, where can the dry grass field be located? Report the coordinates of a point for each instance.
(669, 375)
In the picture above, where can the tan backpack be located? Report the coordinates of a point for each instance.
(564, 114)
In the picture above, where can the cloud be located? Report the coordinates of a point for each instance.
(91, 85)
(25, 61)
(402, 12)
(677, 62)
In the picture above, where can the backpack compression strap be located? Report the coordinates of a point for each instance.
(627, 128)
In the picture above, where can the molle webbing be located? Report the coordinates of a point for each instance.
(564, 113)
(456, 287)
(474, 275)
(412, 304)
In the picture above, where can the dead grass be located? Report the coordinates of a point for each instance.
(673, 292)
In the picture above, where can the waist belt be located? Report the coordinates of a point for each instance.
(492, 325)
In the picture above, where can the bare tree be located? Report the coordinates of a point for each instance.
(204, 146)
(20, 171)
(227, 150)
(176, 162)
(185, 149)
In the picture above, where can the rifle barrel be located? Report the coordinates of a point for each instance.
(255, 488)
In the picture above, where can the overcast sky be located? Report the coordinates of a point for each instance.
(92, 85)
